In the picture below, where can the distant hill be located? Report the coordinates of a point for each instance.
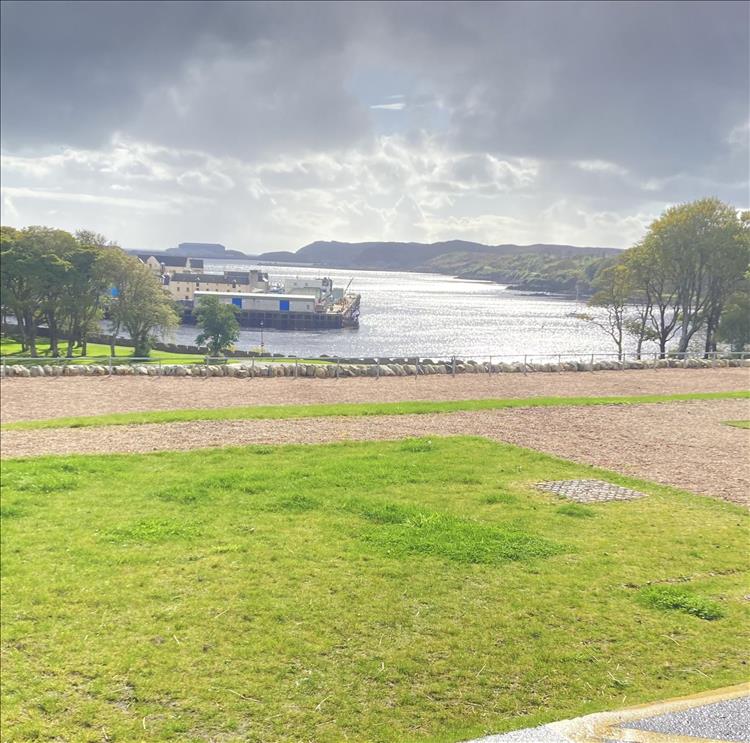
(206, 250)
(416, 256)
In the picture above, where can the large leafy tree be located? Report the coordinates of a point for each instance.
(734, 327)
(87, 284)
(141, 305)
(703, 249)
(218, 324)
(35, 267)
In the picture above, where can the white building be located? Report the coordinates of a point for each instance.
(261, 302)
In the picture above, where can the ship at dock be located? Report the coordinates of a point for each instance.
(290, 304)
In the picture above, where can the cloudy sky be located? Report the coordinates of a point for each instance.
(265, 126)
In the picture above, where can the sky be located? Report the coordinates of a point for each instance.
(266, 126)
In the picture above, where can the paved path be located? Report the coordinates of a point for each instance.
(682, 444)
(721, 715)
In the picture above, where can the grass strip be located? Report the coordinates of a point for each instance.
(738, 424)
(264, 412)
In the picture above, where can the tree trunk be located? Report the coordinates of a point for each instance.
(32, 340)
(53, 335)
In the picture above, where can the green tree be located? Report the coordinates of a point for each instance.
(613, 289)
(734, 327)
(142, 306)
(654, 292)
(702, 247)
(218, 324)
(34, 264)
(87, 285)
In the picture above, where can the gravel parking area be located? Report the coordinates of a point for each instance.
(37, 398)
(682, 444)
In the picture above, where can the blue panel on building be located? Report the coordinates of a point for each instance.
(237, 302)
(283, 305)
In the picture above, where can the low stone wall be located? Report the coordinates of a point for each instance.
(341, 370)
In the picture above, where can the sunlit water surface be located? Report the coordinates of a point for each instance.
(420, 314)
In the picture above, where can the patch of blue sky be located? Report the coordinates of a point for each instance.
(398, 102)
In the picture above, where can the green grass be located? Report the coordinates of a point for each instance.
(260, 412)
(95, 351)
(380, 591)
(676, 598)
(738, 424)
(100, 353)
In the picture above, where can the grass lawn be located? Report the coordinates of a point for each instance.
(418, 590)
(99, 352)
(260, 412)
(95, 351)
(738, 424)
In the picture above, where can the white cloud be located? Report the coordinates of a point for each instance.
(402, 187)
(601, 166)
(400, 106)
(739, 136)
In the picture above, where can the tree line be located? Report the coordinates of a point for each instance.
(69, 282)
(686, 280)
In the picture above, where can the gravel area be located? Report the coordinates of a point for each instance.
(728, 720)
(36, 398)
(682, 444)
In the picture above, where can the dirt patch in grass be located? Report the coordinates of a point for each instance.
(681, 444)
(38, 398)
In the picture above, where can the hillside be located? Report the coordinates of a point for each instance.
(419, 256)
(206, 250)
(531, 272)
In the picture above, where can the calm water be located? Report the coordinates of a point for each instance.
(415, 314)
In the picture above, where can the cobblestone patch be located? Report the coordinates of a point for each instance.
(589, 491)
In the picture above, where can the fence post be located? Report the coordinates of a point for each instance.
(684, 360)
(524, 364)
(252, 367)
(559, 363)
(592, 363)
(377, 368)
(453, 367)
(337, 367)
(296, 370)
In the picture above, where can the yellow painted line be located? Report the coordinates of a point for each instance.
(608, 725)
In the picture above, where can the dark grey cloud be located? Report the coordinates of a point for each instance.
(235, 78)
(507, 121)
(648, 84)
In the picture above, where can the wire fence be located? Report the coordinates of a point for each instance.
(378, 366)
